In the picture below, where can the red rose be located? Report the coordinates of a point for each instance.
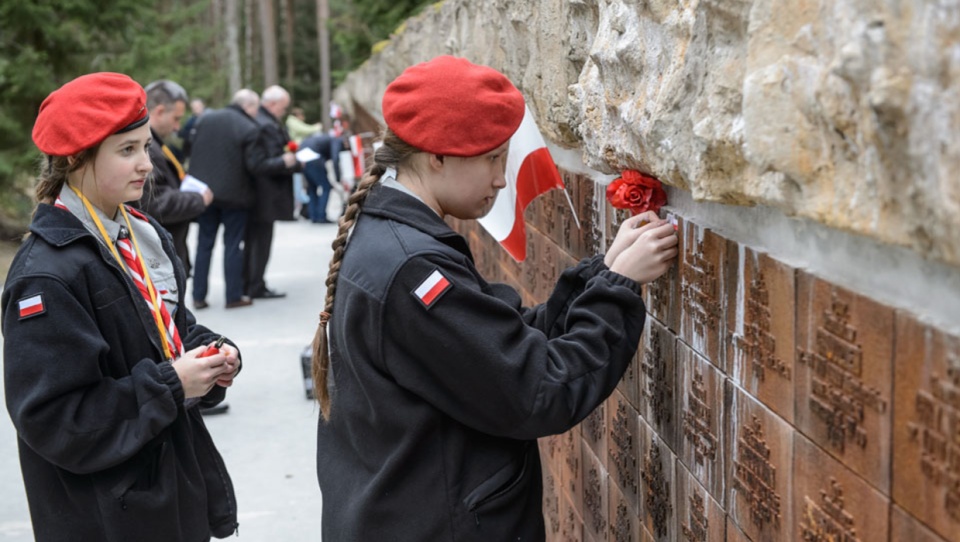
(292, 146)
(637, 192)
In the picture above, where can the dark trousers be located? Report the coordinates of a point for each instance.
(256, 247)
(316, 175)
(234, 230)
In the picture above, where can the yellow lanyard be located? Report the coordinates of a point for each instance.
(173, 160)
(157, 318)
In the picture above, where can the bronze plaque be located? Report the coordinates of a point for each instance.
(760, 301)
(588, 200)
(701, 419)
(734, 534)
(571, 524)
(905, 528)
(551, 504)
(658, 382)
(700, 517)
(624, 520)
(759, 468)
(662, 296)
(702, 272)
(831, 502)
(623, 449)
(629, 385)
(657, 486)
(594, 429)
(595, 507)
(571, 467)
(844, 374)
(926, 451)
(546, 270)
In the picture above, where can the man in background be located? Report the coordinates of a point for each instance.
(226, 154)
(274, 191)
(197, 108)
(162, 198)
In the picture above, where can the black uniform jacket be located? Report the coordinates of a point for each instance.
(226, 154)
(107, 451)
(274, 180)
(438, 397)
(163, 200)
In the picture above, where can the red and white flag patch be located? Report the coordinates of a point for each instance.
(31, 306)
(432, 288)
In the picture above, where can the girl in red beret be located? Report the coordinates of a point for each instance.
(433, 383)
(104, 365)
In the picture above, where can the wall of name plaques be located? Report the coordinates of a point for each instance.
(763, 404)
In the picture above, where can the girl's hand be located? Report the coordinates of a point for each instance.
(650, 255)
(627, 234)
(231, 366)
(197, 374)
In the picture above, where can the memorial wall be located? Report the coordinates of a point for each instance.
(799, 375)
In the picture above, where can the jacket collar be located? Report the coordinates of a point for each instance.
(57, 227)
(390, 203)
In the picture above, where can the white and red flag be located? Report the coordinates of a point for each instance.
(530, 172)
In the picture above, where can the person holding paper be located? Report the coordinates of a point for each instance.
(163, 198)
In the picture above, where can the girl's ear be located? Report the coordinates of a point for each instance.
(72, 159)
(436, 161)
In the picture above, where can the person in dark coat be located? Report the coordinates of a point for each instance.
(226, 156)
(274, 188)
(315, 171)
(433, 383)
(104, 366)
(162, 198)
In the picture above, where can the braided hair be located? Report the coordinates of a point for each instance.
(394, 153)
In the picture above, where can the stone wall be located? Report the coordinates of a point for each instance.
(846, 112)
(799, 377)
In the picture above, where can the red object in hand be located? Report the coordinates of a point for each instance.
(213, 349)
(292, 146)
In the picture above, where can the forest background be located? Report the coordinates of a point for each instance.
(211, 47)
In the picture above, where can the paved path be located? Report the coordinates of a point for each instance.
(268, 437)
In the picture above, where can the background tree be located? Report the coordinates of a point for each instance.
(211, 47)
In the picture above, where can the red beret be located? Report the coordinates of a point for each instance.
(453, 107)
(85, 111)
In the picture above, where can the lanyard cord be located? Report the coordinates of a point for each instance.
(173, 160)
(157, 319)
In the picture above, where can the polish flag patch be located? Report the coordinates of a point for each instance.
(432, 288)
(31, 306)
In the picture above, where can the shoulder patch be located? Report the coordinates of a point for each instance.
(31, 306)
(432, 288)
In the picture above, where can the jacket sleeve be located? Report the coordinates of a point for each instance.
(474, 357)
(61, 403)
(269, 155)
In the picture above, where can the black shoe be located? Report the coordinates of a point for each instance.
(242, 302)
(267, 293)
(200, 304)
(222, 408)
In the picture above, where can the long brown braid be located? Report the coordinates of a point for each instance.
(392, 154)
